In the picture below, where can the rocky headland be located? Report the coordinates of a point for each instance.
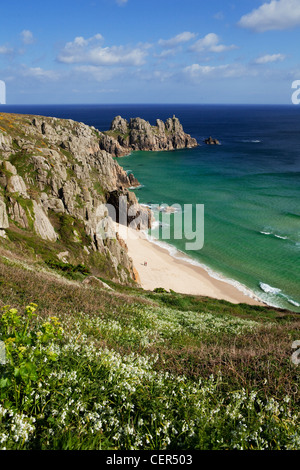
(57, 178)
(125, 136)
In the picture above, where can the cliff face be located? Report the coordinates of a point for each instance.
(137, 134)
(54, 183)
(57, 177)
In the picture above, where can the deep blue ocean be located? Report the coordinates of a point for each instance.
(249, 185)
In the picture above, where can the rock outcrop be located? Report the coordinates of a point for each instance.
(211, 141)
(3, 219)
(137, 134)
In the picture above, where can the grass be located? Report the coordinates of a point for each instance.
(130, 369)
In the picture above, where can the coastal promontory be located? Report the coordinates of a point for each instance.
(125, 136)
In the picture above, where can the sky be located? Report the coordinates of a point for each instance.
(149, 51)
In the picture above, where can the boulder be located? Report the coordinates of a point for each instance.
(18, 213)
(119, 124)
(7, 166)
(5, 142)
(42, 224)
(16, 184)
(3, 216)
(63, 256)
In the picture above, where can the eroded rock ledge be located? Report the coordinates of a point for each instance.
(137, 134)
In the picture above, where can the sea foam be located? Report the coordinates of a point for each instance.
(275, 291)
(269, 289)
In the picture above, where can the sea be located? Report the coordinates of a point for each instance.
(248, 186)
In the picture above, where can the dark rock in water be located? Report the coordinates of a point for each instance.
(133, 180)
(211, 141)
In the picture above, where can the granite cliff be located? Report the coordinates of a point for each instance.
(57, 180)
(124, 137)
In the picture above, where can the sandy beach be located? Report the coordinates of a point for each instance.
(163, 270)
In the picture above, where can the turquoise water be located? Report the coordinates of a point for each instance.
(251, 223)
(252, 214)
(249, 185)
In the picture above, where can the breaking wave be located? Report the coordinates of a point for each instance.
(275, 291)
(282, 237)
(269, 289)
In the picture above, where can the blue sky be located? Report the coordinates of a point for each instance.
(150, 51)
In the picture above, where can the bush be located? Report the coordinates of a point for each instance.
(68, 268)
(160, 290)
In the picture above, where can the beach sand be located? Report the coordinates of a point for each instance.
(163, 270)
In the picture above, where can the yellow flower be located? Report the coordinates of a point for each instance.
(9, 341)
(55, 321)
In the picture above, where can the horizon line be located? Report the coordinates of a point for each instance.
(146, 104)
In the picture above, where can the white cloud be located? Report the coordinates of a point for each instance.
(197, 72)
(275, 15)
(99, 74)
(121, 2)
(177, 40)
(79, 42)
(116, 55)
(166, 53)
(5, 50)
(211, 43)
(27, 37)
(38, 72)
(86, 51)
(266, 59)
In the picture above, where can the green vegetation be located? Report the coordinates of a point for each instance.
(160, 290)
(21, 160)
(73, 272)
(115, 134)
(99, 189)
(27, 205)
(129, 369)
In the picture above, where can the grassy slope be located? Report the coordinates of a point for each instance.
(135, 369)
